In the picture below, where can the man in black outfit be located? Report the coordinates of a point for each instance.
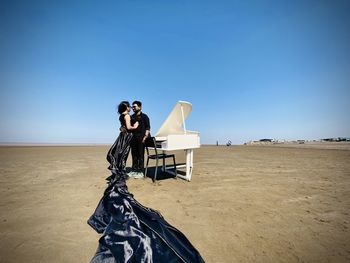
(137, 142)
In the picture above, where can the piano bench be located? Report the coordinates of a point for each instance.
(151, 144)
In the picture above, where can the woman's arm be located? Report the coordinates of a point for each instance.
(128, 123)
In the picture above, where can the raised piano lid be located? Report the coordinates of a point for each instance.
(175, 122)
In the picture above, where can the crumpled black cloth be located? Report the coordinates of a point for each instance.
(130, 231)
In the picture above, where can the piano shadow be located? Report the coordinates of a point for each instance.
(164, 175)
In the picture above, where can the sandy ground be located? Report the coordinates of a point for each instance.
(244, 203)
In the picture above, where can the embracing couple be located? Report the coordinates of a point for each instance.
(130, 231)
(138, 125)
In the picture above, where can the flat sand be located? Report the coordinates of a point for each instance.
(244, 203)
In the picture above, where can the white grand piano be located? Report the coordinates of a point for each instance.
(173, 135)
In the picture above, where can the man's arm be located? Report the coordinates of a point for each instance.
(148, 128)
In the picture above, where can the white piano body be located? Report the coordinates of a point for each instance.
(172, 135)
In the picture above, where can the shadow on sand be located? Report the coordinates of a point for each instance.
(161, 175)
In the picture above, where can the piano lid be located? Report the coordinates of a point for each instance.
(175, 122)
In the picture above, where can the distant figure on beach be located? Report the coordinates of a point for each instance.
(130, 231)
(140, 134)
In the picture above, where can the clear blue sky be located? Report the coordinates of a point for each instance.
(251, 69)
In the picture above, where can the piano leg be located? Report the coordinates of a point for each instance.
(189, 164)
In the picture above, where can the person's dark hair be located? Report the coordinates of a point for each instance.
(126, 103)
(123, 106)
(138, 103)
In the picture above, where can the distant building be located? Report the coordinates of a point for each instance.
(265, 140)
(339, 139)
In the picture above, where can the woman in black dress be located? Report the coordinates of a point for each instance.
(130, 231)
(119, 151)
